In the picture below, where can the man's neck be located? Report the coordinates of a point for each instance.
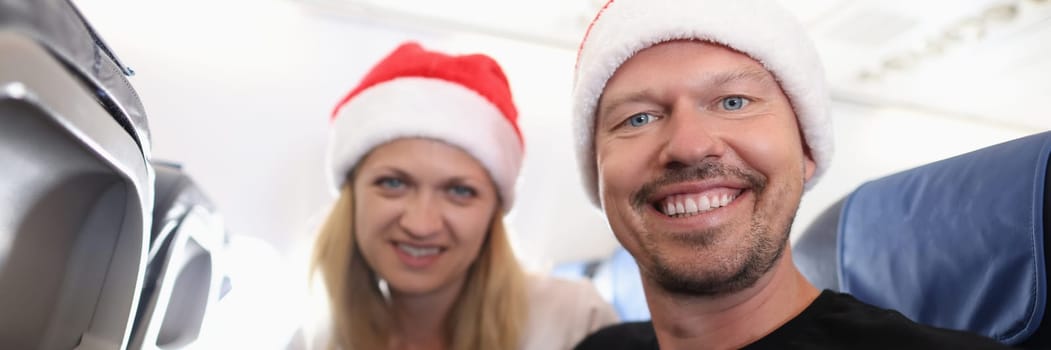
(731, 321)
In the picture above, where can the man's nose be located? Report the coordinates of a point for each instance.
(691, 138)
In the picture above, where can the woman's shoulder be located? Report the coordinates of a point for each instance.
(571, 309)
(310, 336)
(314, 321)
(555, 290)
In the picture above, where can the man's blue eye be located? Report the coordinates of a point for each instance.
(641, 119)
(734, 103)
(462, 191)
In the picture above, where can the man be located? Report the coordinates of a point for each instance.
(700, 124)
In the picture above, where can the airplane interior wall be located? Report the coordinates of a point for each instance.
(239, 92)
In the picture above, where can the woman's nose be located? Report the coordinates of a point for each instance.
(422, 217)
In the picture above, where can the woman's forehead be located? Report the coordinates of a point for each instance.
(424, 157)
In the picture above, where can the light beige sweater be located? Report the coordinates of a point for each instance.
(561, 314)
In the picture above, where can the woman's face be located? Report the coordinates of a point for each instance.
(422, 210)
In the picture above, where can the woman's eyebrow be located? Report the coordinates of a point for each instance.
(389, 169)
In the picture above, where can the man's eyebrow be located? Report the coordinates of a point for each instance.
(723, 78)
(634, 97)
(709, 80)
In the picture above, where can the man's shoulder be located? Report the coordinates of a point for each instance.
(623, 336)
(833, 321)
(836, 319)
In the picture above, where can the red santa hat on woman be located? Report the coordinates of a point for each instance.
(464, 101)
(760, 29)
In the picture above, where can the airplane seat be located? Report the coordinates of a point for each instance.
(814, 252)
(958, 243)
(182, 276)
(628, 298)
(76, 186)
(616, 278)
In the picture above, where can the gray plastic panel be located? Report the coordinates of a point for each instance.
(75, 190)
(58, 25)
(187, 286)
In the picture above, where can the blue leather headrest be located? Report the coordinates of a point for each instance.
(957, 243)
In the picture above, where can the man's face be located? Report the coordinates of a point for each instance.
(701, 166)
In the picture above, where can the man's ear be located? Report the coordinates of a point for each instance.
(808, 169)
(809, 165)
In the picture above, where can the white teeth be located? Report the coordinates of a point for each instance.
(691, 207)
(417, 252)
(704, 204)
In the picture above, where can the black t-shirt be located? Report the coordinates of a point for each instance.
(833, 321)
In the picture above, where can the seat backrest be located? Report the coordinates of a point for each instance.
(75, 189)
(182, 277)
(814, 252)
(957, 243)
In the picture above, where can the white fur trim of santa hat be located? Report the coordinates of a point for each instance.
(431, 108)
(760, 29)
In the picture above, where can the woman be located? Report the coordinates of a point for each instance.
(414, 254)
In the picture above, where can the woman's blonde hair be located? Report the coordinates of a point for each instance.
(489, 313)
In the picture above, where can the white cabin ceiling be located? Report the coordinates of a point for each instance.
(982, 59)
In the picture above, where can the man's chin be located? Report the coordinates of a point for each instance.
(701, 283)
(702, 248)
(705, 272)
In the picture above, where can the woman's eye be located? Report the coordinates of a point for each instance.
(462, 191)
(640, 119)
(390, 183)
(734, 103)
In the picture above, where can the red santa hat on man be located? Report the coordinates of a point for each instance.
(760, 29)
(464, 101)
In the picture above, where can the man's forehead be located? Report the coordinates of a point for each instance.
(713, 56)
(702, 80)
(722, 63)
(717, 66)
